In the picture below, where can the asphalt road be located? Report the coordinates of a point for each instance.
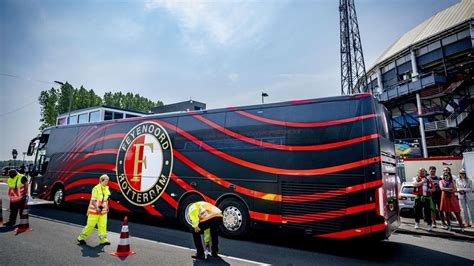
(164, 242)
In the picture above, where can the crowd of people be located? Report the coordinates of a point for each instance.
(442, 196)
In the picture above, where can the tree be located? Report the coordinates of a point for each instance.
(48, 101)
(54, 102)
(130, 101)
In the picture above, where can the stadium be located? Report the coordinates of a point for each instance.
(425, 79)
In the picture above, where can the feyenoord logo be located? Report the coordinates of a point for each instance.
(144, 163)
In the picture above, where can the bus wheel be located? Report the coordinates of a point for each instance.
(236, 221)
(58, 196)
(184, 207)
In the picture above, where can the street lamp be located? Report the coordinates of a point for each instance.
(70, 102)
(264, 94)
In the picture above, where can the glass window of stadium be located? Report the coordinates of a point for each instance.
(83, 118)
(94, 116)
(73, 120)
(108, 115)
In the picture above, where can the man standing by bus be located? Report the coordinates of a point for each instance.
(97, 212)
(17, 191)
(204, 215)
(423, 188)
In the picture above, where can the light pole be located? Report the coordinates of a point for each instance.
(70, 102)
(264, 94)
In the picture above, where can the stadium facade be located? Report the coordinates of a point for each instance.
(425, 79)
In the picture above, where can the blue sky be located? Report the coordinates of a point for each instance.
(223, 53)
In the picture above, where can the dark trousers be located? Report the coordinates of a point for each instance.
(422, 206)
(213, 224)
(16, 207)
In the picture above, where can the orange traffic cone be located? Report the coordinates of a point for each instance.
(123, 248)
(24, 225)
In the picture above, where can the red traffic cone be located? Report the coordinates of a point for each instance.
(123, 248)
(24, 225)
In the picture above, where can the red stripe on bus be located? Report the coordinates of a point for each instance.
(152, 211)
(302, 124)
(69, 163)
(273, 170)
(287, 147)
(86, 196)
(170, 200)
(354, 232)
(331, 193)
(103, 166)
(90, 181)
(224, 183)
(66, 176)
(273, 218)
(314, 217)
(73, 154)
(189, 188)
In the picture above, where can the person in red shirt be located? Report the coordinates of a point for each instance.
(424, 187)
(449, 201)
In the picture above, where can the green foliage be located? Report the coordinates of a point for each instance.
(49, 105)
(130, 101)
(54, 102)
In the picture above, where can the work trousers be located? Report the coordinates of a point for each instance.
(213, 224)
(422, 206)
(92, 221)
(16, 207)
(466, 209)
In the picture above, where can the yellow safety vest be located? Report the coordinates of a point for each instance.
(16, 190)
(99, 198)
(202, 211)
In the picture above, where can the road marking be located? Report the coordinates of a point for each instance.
(151, 241)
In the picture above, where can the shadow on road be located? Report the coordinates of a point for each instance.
(211, 261)
(92, 252)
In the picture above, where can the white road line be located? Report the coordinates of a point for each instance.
(155, 242)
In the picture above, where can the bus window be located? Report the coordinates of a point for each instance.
(118, 115)
(108, 115)
(94, 116)
(73, 120)
(83, 118)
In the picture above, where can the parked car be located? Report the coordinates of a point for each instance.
(406, 198)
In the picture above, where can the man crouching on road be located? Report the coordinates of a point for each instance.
(204, 215)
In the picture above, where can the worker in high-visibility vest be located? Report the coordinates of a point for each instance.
(17, 192)
(203, 216)
(97, 212)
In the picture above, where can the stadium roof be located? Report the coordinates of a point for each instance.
(446, 19)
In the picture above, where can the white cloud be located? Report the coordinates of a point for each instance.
(233, 77)
(224, 24)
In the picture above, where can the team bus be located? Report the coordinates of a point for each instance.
(320, 167)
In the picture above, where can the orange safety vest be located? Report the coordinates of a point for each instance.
(16, 190)
(99, 198)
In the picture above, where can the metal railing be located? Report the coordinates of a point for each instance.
(451, 121)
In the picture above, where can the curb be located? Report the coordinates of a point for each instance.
(434, 234)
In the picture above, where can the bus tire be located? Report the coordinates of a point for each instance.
(58, 196)
(184, 206)
(236, 220)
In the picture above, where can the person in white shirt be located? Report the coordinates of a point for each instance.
(464, 186)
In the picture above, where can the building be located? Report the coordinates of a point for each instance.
(425, 79)
(190, 105)
(95, 114)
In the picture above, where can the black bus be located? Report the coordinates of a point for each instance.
(320, 167)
